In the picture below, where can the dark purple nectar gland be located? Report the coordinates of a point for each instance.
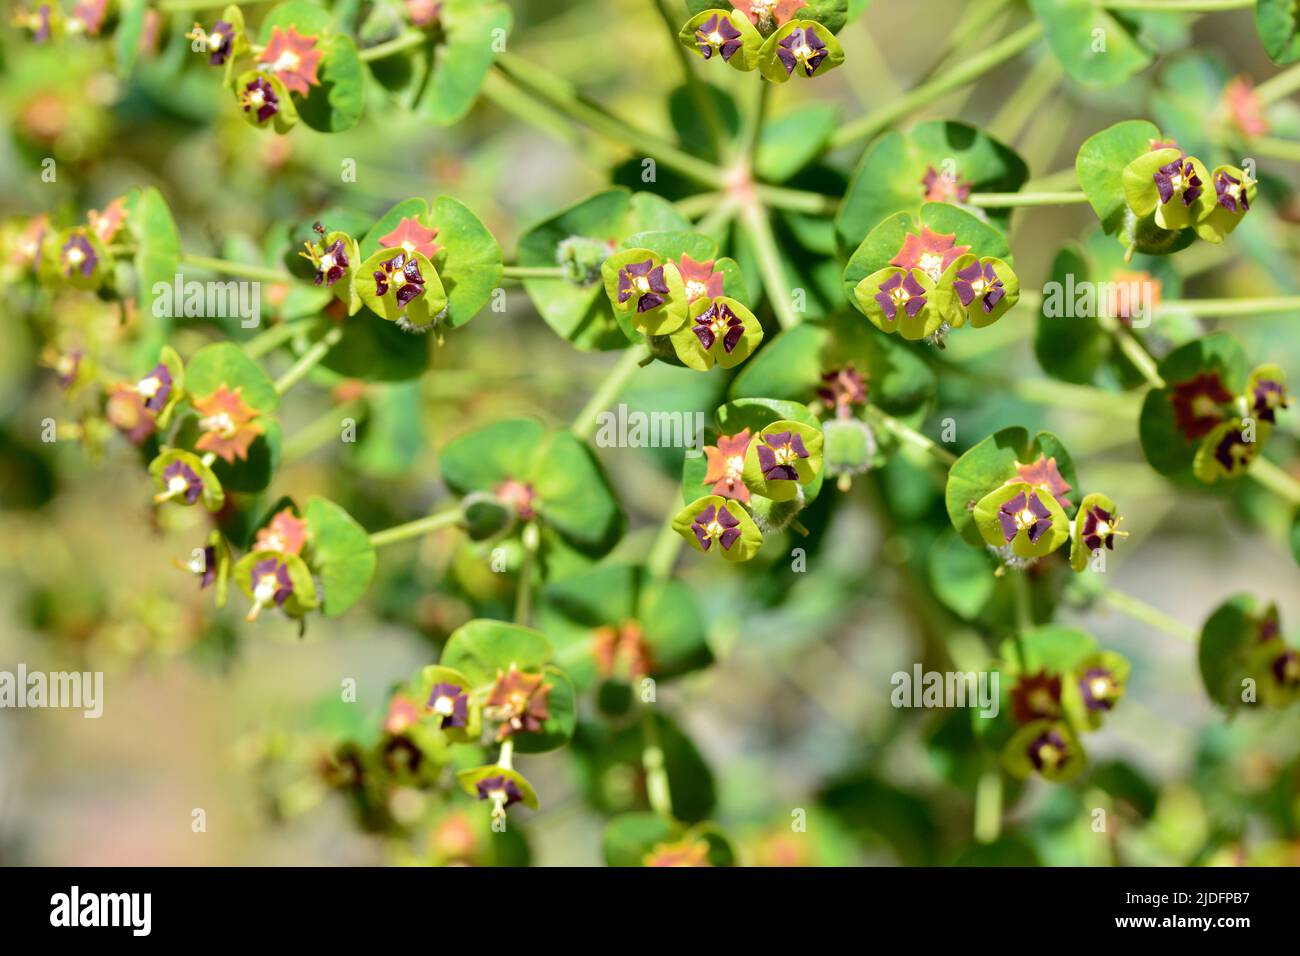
(1196, 403)
(451, 703)
(1099, 689)
(1233, 451)
(1025, 513)
(271, 585)
(802, 47)
(79, 256)
(901, 291)
(646, 282)
(718, 321)
(1286, 668)
(1100, 529)
(402, 272)
(1266, 398)
(179, 481)
(259, 95)
(155, 388)
(1048, 751)
(1232, 193)
(779, 453)
(979, 282)
(718, 35)
(716, 524)
(1178, 178)
(1036, 697)
(501, 790)
(218, 42)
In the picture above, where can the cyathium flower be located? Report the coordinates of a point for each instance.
(271, 584)
(410, 237)
(1178, 179)
(294, 58)
(801, 49)
(901, 291)
(931, 252)
(180, 482)
(227, 423)
(778, 454)
(702, 281)
(402, 274)
(979, 281)
(450, 703)
(718, 35)
(944, 187)
(259, 97)
(1198, 402)
(519, 701)
(285, 532)
(643, 282)
(726, 466)
(217, 43)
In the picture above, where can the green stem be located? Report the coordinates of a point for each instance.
(320, 431)
(560, 94)
(1136, 353)
(533, 272)
(1281, 483)
(699, 94)
(1285, 149)
(417, 528)
(656, 769)
(226, 267)
(1024, 604)
(1280, 86)
(797, 200)
(910, 436)
(585, 422)
(1144, 613)
(1223, 307)
(667, 545)
(755, 217)
(1025, 103)
(932, 90)
(308, 360)
(404, 42)
(701, 204)
(1177, 6)
(988, 806)
(747, 147)
(531, 539)
(1000, 200)
(270, 339)
(178, 6)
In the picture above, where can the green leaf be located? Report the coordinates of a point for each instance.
(157, 247)
(1096, 48)
(487, 456)
(376, 350)
(793, 140)
(1100, 166)
(832, 14)
(336, 104)
(475, 32)
(469, 263)
(1278, 23)
(482, 649)
(306, 17)
(575, 496)
(1226, 651)
(1052, 648)
(629, 838)
(890, 177)
(224, 363)
(341, 553)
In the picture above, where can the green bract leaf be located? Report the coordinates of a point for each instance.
(341, 553)
(706, 35)
(157, 248)
(800, 47)
(482, 650)
(469, 262)
(1228, 644)
(936, 160)
(1100, 166)
(716, 518)
(717, 317)
(1278, 23)
(336, 103)
(475, 32)
(1096, 48)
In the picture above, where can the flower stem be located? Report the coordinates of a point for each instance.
(226, 267)
(932, 90)
(1000, 200)
(1279, 87)
(656, 770)
(667, 545)
(797, 200)
(320, 431)
(396, 45)
(417, 528)
(506, 756)
(533, 272)
(271, 338)
(308, 360)
(560, 95)
(699, 93)
(1144, 613)
(531, 539)
(1176, 6)
(910, 436)
(1280, 482)
(584, 423)
(1276, 148)
(988, 806)
(1136, 353)
(755, 218)
(1234, 307)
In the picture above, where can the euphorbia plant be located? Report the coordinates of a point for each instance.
(811, 307)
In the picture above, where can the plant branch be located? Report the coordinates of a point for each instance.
(533, 272)
(396, 45)
(226, 267)
(584, 423)
(1232, 307)
(1144, 613)
(928, 92)
(1280, 482)
(988, 806)
(531, 540)
(1279, 87)
(755, 217)
(1176, 6)
(308, 360)
(417, 528)
(910, 436)
(999, 200)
